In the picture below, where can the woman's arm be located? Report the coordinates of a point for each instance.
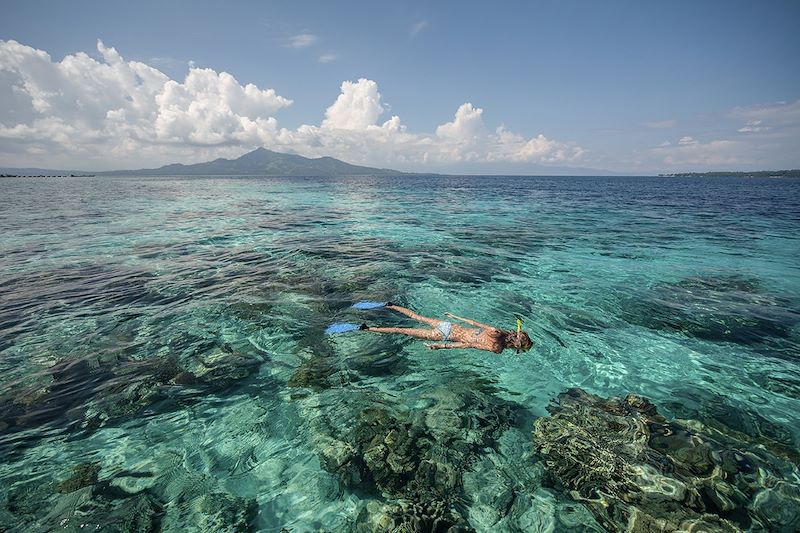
(469, 321)
(439, 345)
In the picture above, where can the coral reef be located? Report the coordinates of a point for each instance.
(79, 503)
(83, 502)
(84, 394)
(639, 472)
(413, 461)
(719, 309)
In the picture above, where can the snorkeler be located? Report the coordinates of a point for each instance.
(481, 337)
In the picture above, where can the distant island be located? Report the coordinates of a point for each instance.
(259, 162)
(794, 173)
(264, 162)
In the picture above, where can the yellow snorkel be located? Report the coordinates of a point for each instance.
(519, 329)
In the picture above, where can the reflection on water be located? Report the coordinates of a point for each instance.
(164, 365)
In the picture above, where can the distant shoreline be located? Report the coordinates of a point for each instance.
(263, 162)
(47, 175)
(794, 173)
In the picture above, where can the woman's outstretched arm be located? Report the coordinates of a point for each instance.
(469, 321)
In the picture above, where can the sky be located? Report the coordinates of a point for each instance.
(554, 86)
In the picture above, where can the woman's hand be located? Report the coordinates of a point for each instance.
(433, 346)
(451, 315)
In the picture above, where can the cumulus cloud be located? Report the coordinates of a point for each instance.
(302, 40)
(109, 112)
(467, 124)
(82, 104)
(357, 107)
(213, 108)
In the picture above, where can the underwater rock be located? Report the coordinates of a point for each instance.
(79, 504)
(639, 472)
(313, 373)
(85, 474)
(718, 415)
(218, 512)
(778, 507)
(84, 510)
(718, 309)
(26, 500)
(56, 396)
(139, 514)
(84, 503)
(222, 369)
(77, 394)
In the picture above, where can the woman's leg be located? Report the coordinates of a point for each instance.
(428, 334)
(411, 314)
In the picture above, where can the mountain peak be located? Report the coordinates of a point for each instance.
(259, 150)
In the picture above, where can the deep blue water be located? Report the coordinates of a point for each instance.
(171, 331)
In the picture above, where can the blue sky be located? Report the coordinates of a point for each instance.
(621, 86)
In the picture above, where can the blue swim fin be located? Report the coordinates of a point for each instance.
(341, 327)
(369, 305)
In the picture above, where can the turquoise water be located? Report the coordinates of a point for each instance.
(170, 330)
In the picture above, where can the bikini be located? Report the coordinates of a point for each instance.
(445, 328)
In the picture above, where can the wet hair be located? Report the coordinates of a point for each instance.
(517, 341)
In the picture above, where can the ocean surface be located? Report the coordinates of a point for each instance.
(163, 363)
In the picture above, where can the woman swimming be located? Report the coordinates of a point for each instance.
(481, 337)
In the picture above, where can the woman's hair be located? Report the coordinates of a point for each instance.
(518, 341)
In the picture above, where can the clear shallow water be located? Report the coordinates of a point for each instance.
(683, 291)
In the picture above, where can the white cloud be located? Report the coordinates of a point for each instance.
(327, 58)
(780, 119)
(775, 113)
(418, 27)
(689, 151)
(767, 137)
(754, 126)
(213, 108)
(302, 40)
(80, 102)
(112, 113)
(357, 107)
(467, 125)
